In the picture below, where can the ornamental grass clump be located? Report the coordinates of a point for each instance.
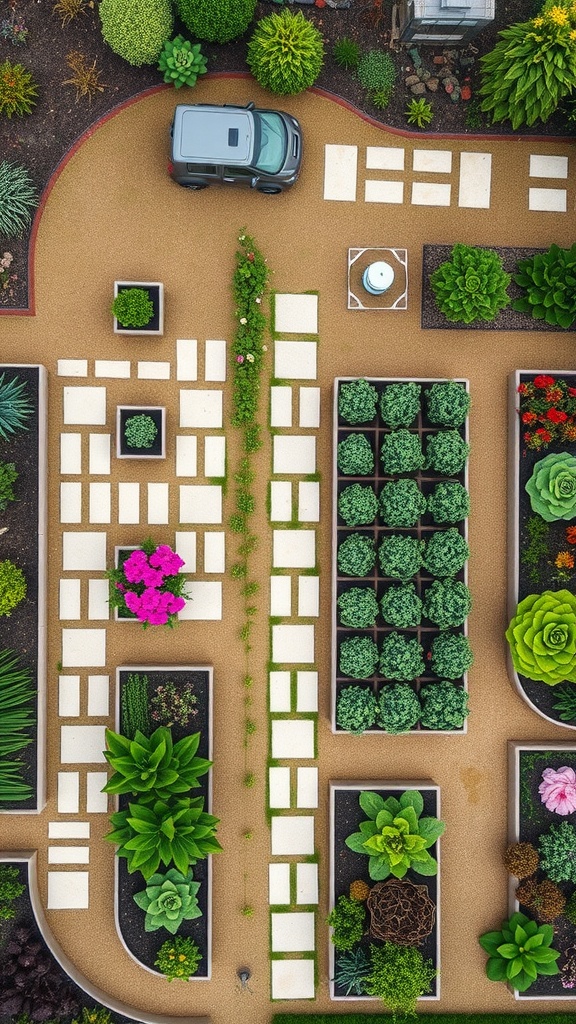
(395, 837)
(355, 455)
(519, 952)
(18, 90)
(447, 403)
(401, 503)
(15, 406)
(542, 637)
(285, 53)
(548, 282)
(358, 607)
(357, 505)
(400, 557)
(133, 307)
(351, 971)
(400, 404)
(168, 900)
(449, 502)
(18, 198)
(357, 401)
(182, 62)
(401, 658)
(552, 487)
(447, 603)
(401, 606)
(446, 452)
(471, 285)
(347, 922)
(217, 21)
(356, 709)
(399, 976)
(401, 452)
(445, 553)
(136, 29)
(557, 849)
(140, 431)
(444, 706)
(346, 53)
(398, 708)
(358, 657)
(450, 655)
(356, 555)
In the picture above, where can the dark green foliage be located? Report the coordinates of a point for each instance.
(398, 708)
(356, 709)
(18, 198)
(357, 505)
(8, 476)
(18, 90)
(536, 548)
(376, 71)
(136, 29)
(446, 452)
(133, 307)
(346, 53)
(15, 406)
(447, 403)
(447, 603)
(444, 706)
(569, 911)
(401, 658)
(347, 921)
(400, 606)
(356, 555)
(400, 404)
(445, 553)
(471, 285)
(182, 62)
(249, 285)
(358, 607)
(357, 401)
(557, 849)
(565, 702)
(349, 974)
(401, 452)
(449, 502)
(399, 975)
(355, 455)
(13, 587)
(217, 21)
(401, 503)
(358, 657)
(17, 704)
(548, 281)
(10, 889)
(285, 53)
(450, 655)
(400, 557)
(140, 431)
(134, 713)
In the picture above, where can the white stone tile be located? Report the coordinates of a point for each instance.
(200, 503)
(70, 454)
(82, 744)
(280, 595)
(435, 161)
(215, 361)
(96, 801)
(293, 644)
(475, 180)
(292, 979)
(83, 648)
(279, 787)
(68, 890)
(150, 370)
(70, 502)
(68, 854)
(340, 171)
(69, 599)
(83, 550)
(309, 412)
(68, 792)
(548, 166)
(296, 360)
(186, 455)
(307, 881)
(214, 551)
(158, 503)
(128, 503)
(214, 456)
(205, 601)
(185, 545)
(98, 607)
(307, 787)
(200, 408)
(294, 549)
(187, 359)
(295, 314)
(100, 503)
(278, 884)
(427, 193)
(72, 367)
(68, 830)
(383, 191)
(280, 691)
(306, 691)
(292, 738)
(292, 835)
(84, 405)
(280, 406)
(547, 200)
(115, 368)
(308, 596)
(280, 501)
(384, 158)
(98, 696)
(294, 453)
(292, 931)
(309, 501)
(99, 454)
(69, 696)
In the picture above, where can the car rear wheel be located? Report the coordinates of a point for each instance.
(195, 186)
(270, 190)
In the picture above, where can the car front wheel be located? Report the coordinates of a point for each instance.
(270, 190)
(195, 186)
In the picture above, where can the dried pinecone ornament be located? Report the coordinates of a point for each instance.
(400, 912)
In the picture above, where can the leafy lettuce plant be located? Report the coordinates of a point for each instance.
(168, 900)
(444, 706)
(358, 607)
(471, 285)
(548, 281)
(356, 709)
(447, 603)
(520, 951)
(154, 764)
(358, 657)
(447, 403)
(398, 708)
(445, 553)
(401, 452)
(449, 502)
(356, 555)
(401, 503)
(395, 837)
(357, 505)
(401, 658)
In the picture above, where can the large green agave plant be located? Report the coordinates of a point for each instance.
(154, 764)
(520, 951)
(168, 900)
(395, 837)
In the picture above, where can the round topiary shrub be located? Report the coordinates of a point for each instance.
(449, 502)
(356, 709)
(400, 404)
(401, 503)
(358, 657)
(285, 53)
(358, 607)
(400, 606)
(12, 587)
(136, 29)
(446, 452)
(356, 555)
(450, 655)
(217, 21)
(447, 403)
(401, 452)
(400, 557)
(140, 431)
(398, 708)
(357, 401)
(445, 553)
(471, 285)
(357, 505)
(401, 658)
(444, 706)
(355, 455)
(447, 603)
(133, 307)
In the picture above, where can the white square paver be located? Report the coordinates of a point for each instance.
(70, 454)
(83, 648)
(84, 405)
(294, 549)
(83, 551)
(426, 193)
(205, 601)
(280, 595)
(214, 456)
(187, 359)
(278, 884)
(307, 787)
(340, 172)
(100, 503)
(295, 360)
(96, 800)
(215, 551)
(116, 368)
(295, 314)
(185, 545)
(309, 412)
(98, 696)
(68, 792)
(70, 502)
(69, 696)
(383, 191)
(384, 158)
(68, 854)
(200, 503)
(475, 180)
(99, 454)
(98, 607)
(292, 932)
(280, 501)
(548, 166)
(309, 501)
(186, 455)
(68, 830)
(280, 691)
(72, 367)
(435, 161)
(69, 599)
(294, 453)
(215, 361)
(128, 503)
(82, 744)
(292, 979)
(279, 787)
(149, 370)
(68, 890)
(293, 645)
(292, 738)
(292, 835)
(307, 883)
(547, 200)
(308, 596)
(281, 406)
(199, 408)
(306, 691)
(158, 503)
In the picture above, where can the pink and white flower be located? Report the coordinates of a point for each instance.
(558, 790)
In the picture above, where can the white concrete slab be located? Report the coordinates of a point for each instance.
(215, 361)
(185, 546)
(295, 314)
(547, 200)
(83, 648)
(84, 405)
(383, 191)
(187, 359)
(99, 454)
(205, 601)
(306, 691)
(293, 644)
(98, 608)
(280, 406)
(292, 835)
(200, 503)
(280, 691)
(200, 408)
(307, 787)
(340, 172)
(68, 792)
(98, 696)
(427, 193)
(294, 453)
(292, 979)
(308, 596)
(475, 180)
(70, 454)
(295, 360)
(281, 595)
(542, 166)
(292, 932)
(82, 744)
(309, 407)
(153, 370)
(128, 503)
(83, 551)
(68, 830)
(307, 881)
(70, 502)
(69, 599)
(279, 787)
(292, 738)
(309, 501)
(68, 890)
(432, 161)
(186, 455)
(280, 501)
(294, 549)
(100, 503)
(68, 854)
(158, 503)
(96, 801)
(214, 551)
(72, 367)
(69, 696)
(115, 368)
(214, 456)
(384, 158)
(278, 884)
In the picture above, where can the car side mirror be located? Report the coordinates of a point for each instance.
(253, 182)
(250, 105)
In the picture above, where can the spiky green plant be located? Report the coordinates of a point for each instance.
(18, 197)
(285, 53)
(346, 53)
(154, 764)
(17, 710)
(351, 970)
(12, 785)
(15, 405)
(419, 112)
(182, 62)
(565, 702)
(18, 90)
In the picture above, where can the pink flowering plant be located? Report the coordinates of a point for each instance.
(558, 790)
(148, 585)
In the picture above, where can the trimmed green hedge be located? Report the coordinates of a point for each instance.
(428, 1018)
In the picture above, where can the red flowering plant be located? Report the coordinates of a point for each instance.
(149, 585)
(548, 411)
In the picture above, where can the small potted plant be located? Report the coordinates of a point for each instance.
(141, 432)
(147, 586)
(138, 307)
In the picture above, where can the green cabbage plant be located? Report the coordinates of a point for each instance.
(355, 455)
(552, 487)
(471, 285)
(168, 900)
(356, 555)
(395, 837)
(520, 951)
(356, 709)
(548, 281)
(357, 505)
(542, 637)
(154, 764)
(358, 607)
(401, 606)
(401, 452)
(398, 708)
(449, 502)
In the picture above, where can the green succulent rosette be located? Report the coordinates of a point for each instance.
(542, 637)
(552, 487)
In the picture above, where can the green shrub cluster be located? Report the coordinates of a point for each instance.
(140, 431)
(400, 557)
(447, 403)
(251, 276)
(357, 505)
(471, 285)
(447, 603)
(136, 29)
(401, 658)
(347, 921)
(446, 452)
(8, 476)
(357, 401)
(445, 553)
(451, 655)
(401, 503)
(356, 555)
(10, 889)
(133, 307)
(358, 657)
(400, 404)
(178, 957)
(398, 708)
(449, 502)
(401, 452)
(376, 72)
(444, 706)
(12, 587)
(285, 53)
(401, 607)
(355, 455)
(356, 709)
(548, 281)
(217, 21)
(398, 976)
(557, 849)
(358, 607)
(18, 198)
(18, 90)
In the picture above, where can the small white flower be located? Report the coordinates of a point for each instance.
(258, 299)
(243, 320)
(264, 348)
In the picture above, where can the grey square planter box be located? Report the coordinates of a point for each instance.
(155, 290)
(158, 448)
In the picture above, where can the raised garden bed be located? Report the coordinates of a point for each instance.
(141, 945)
(347, 866)
(156, 449)
(425, 632)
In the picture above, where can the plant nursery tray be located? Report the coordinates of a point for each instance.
(346, 866)
(141, 945)
(426, 480)
(528, 819)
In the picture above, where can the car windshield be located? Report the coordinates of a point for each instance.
(270, 149)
